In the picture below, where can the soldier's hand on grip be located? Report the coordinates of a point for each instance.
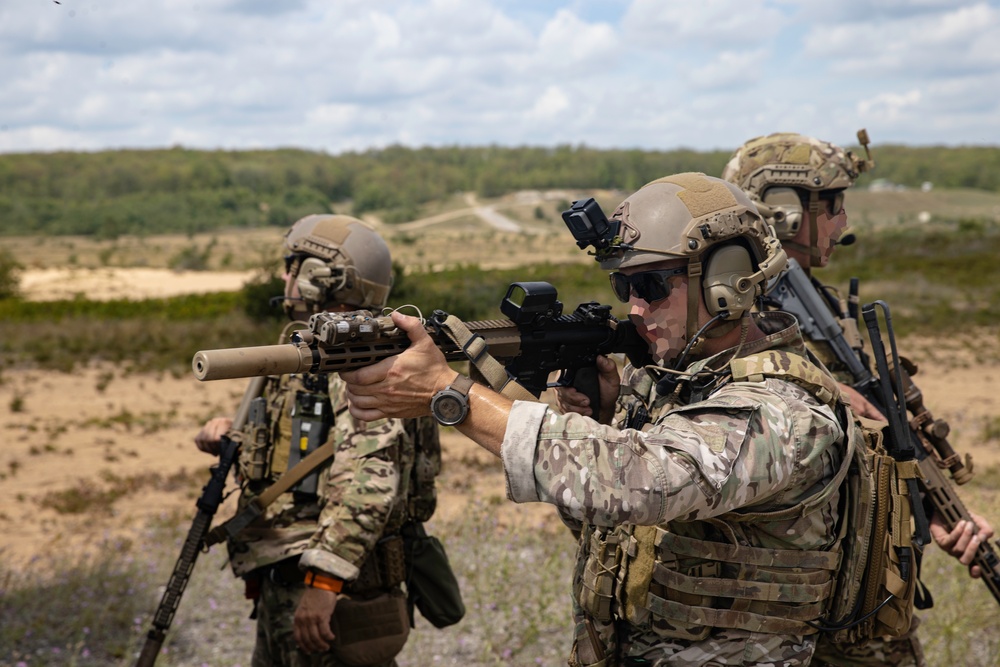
(569, 399)
(211, 433)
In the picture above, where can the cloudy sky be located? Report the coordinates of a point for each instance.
(338, 75)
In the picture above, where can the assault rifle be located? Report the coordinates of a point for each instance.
(795, 292)
(534, 342)
(207, 504)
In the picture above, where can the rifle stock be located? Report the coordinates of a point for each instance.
(534, 342)
(796, 294)
(207, 504)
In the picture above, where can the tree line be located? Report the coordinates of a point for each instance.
(110, 193)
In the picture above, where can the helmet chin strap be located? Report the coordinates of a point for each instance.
(815, 256)
(693, 301)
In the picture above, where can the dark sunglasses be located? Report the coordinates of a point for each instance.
(834, 200)
(650, 286)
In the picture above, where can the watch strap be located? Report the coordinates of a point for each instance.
(462, 384)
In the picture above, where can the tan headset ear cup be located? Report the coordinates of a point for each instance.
(309, 289)
(784, 210)
(726, 282)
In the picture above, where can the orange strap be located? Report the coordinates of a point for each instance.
(316, 580)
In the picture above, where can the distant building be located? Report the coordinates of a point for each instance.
(885, 185)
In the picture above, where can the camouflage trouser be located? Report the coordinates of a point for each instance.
(276, 645)
(903, 651)
(721, 648)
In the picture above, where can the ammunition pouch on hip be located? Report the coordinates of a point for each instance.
(598, 583)
(384, 569)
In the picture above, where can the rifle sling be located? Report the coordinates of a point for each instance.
(476, 349)
(290, 478)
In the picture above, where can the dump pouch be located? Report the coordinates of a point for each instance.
(431, 585)
(370, 631)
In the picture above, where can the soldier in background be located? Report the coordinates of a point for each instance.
(335, 539)
(798, 184)
(706, 438)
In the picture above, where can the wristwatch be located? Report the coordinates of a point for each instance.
(450, 406)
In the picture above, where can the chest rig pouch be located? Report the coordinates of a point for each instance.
(311, 419)
(254, 460)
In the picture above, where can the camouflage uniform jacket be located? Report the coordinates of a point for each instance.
(746, 446)
(381, 476)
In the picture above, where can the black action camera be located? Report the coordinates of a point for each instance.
(589, 225)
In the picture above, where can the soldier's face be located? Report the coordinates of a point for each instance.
(663, 324)
(830, 227)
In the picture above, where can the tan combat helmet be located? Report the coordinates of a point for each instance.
(337, 259)
(731, 252)
(781, 170)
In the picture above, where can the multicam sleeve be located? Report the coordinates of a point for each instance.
(706, 459)
(362, 488)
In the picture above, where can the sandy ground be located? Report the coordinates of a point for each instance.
(126, 283)
(82, 435)
(94, 429)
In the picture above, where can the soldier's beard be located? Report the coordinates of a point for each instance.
(665, 332)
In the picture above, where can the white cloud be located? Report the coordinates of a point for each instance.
(550, 105)
(568, 40)
(728, 24)
(889, 107)
(354, 74)
(730, 69)
(931, 44)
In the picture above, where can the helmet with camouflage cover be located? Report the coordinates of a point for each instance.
(731, 252)
(786, 173)
(336, 259)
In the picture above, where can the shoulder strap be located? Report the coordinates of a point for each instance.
(476, 349)
(256, 507)
(787, 366)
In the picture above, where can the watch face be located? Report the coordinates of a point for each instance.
(449, 407)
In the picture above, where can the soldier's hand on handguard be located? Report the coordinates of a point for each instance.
(211, 433)
(963, 540)
(401, 385)
(569, 399)
(861, 406)
(312, 620)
